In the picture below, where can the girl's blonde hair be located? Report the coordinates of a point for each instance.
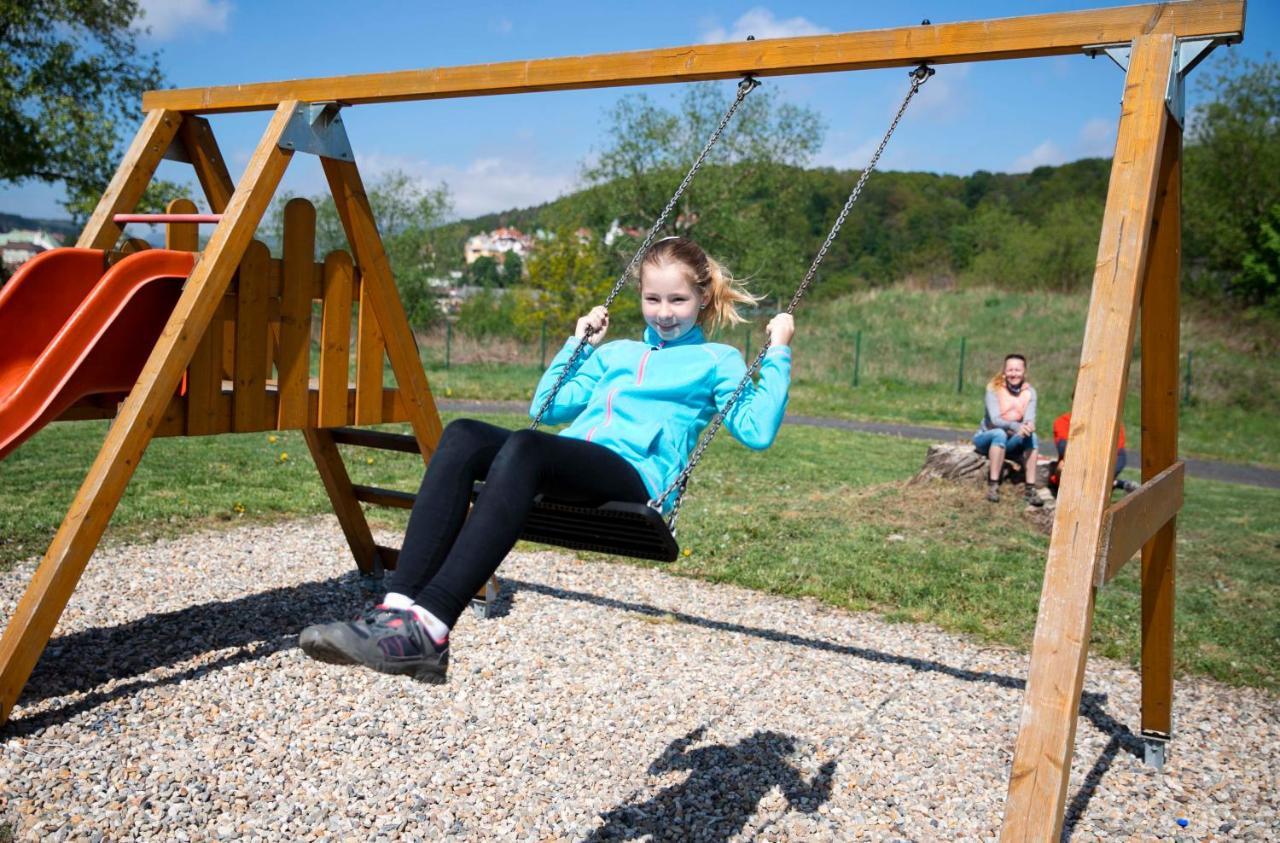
(997, 381)
(703, 272)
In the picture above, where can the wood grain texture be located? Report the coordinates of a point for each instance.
(335, 339)
(38, 611)
(298, 270)
(371, 349)
(1019, 37)
(182, 236)
(149, 145)
(1042, 756)
(211, 169)
(1160, 342)
(1129, 523)
(251, 338)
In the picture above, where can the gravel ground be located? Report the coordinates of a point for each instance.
(608, 703)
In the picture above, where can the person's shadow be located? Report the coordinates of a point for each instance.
(723, 789)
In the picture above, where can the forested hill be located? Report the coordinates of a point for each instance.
(1032, 230)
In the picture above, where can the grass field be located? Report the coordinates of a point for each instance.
(910, 363)
(825, 513)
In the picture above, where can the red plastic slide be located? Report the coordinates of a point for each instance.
(72, 327)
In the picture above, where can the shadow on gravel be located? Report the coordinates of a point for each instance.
(722, 792)
(1092, 704)
(257, 625)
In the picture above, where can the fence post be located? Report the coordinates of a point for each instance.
(543, 351)
(960, 377)
(857, 356)
(1186, 387)
(448, 341)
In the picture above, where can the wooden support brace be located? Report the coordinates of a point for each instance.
(40, 607)
(378, 288)
(197, 136)
(1131, 522)
(1042, 756)
(351, 517)
(131, 178)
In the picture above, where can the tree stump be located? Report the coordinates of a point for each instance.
(958, 462)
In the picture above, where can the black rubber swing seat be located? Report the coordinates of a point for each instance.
(620, 528)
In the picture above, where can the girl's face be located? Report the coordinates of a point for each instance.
(668, 300)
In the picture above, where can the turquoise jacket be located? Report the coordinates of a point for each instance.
(649, 401)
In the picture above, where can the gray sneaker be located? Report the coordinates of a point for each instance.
(386, 640)
(1033, 497)
(993, 492)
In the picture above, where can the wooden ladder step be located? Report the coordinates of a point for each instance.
(379, 439)
(384, 497)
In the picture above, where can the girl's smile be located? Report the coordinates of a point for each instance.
(669, 302)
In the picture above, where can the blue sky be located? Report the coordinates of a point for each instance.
(511, 151)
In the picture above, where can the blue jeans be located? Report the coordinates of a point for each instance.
(1014, 445)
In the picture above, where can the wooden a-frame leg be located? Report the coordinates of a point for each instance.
(350, 514)
(211, 169)
(362, 233)
(1160, 341)
(131, 179)
(1042, 756)
(38, 612)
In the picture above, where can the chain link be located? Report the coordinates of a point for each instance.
(918, 77)
(746, 86)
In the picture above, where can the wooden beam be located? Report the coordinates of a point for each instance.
(378, 289)
(1065, 33)
(211, 169)
(390, 498)
(1042, 756)
(40, 607)
(131, 178)
(1130, 523)
(341, 494)
(1160, 340)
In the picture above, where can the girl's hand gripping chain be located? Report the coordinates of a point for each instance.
(781, 329)
(598, 321)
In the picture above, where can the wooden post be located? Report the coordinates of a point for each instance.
(40, 607)
(197, 136)
(249, 399)
(182, 236)
(297, 275)
(1160, 335)
(1042, 756)
(131, 178)
(378, 288)
(337, 483)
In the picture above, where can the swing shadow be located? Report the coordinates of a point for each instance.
(258, 625)
(721, 793)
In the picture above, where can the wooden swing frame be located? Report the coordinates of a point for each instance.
(1136, 277)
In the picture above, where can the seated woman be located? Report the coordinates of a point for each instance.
(1009, 427)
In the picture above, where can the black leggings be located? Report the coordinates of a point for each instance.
(447, 557)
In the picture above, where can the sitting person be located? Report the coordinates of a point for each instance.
(1009, 427)
(1061, 427)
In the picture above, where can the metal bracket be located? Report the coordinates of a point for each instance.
(177, 151)
(1118, 53)
(1187, 53)
(316, 127)
(1155, 747)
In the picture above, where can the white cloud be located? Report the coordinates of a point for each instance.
(1046, 154)
(484, 185)
(942, 98)
(847, 159)
(503, 26)
(1098, 137)
(171, 18)
(761, 23)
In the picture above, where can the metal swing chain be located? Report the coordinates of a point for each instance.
(746, 86)
(918, 77)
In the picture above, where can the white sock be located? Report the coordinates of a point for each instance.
(436, 628)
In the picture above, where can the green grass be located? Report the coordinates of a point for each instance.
(909, 364)
(825, 513)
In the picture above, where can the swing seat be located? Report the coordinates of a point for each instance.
(619, 528)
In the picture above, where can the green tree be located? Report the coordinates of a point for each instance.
(71, 78)
(483, 272)
(512, 270)
(745, 207)
(568, 277)
(1232, 180)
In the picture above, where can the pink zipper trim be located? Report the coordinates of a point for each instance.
(643, 361)
(608, 414)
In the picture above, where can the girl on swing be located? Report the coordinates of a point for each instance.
(635, 410)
